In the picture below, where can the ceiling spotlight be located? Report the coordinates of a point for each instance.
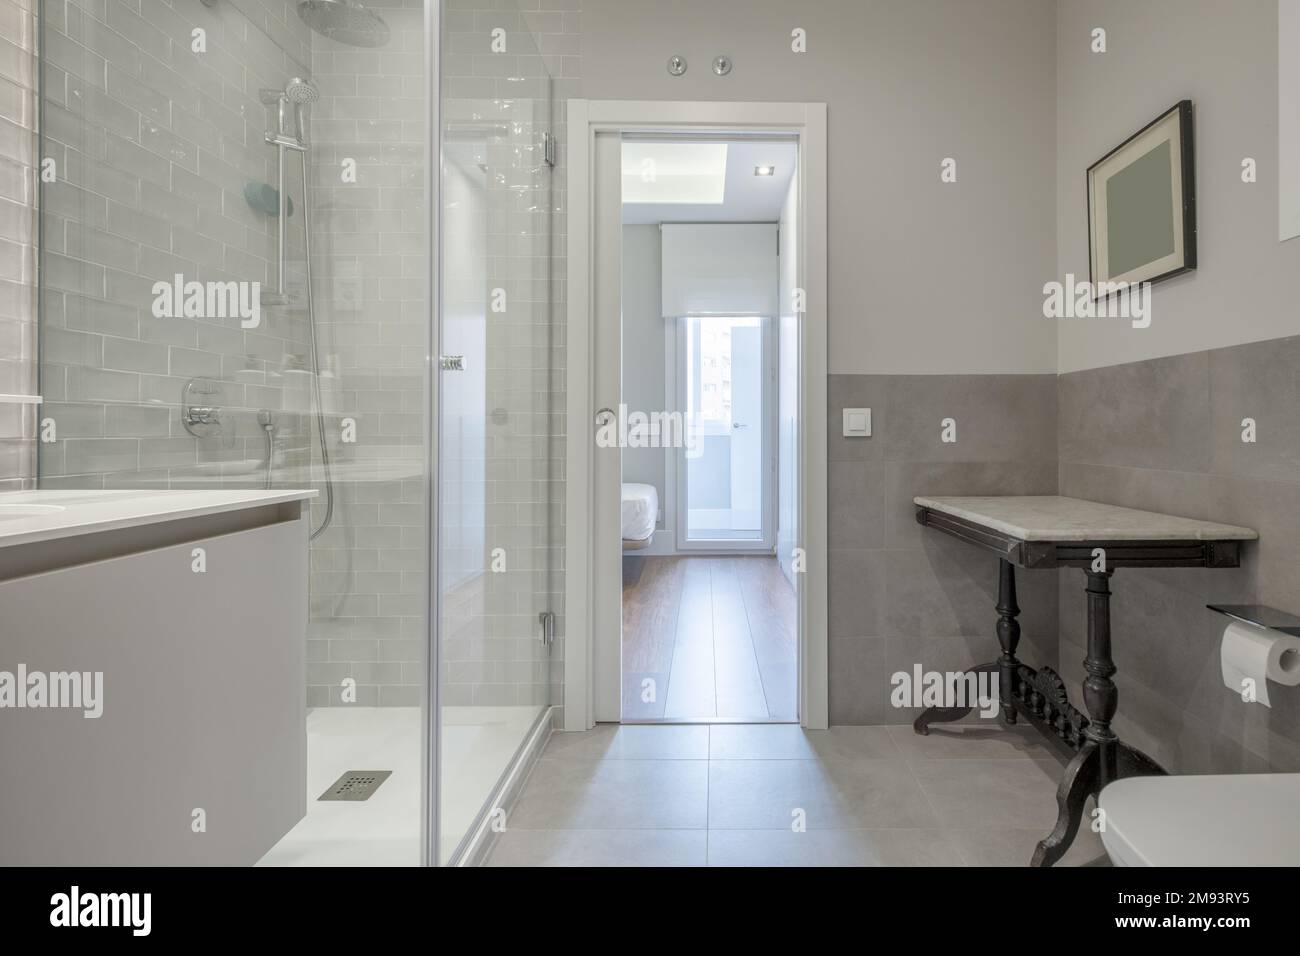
(764, 170)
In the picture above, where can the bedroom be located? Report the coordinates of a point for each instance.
(708, 389)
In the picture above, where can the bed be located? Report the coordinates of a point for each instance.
(640, 511)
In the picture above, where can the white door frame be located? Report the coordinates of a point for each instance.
(807, 121)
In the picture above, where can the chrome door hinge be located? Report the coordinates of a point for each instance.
(452, 363)
(548, 149)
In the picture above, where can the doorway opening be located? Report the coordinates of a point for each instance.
(709, 612)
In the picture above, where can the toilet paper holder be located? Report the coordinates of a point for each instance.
(1260, 648)
(1261, 616)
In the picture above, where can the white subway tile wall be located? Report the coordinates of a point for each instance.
(157, 133)
(153, 132)
(370, 259)
(18, 113)
(155, 136)
(502, 419)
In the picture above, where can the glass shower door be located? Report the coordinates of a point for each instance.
(276, 147)
(494, 411)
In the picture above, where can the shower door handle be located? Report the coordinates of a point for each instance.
(604, 417)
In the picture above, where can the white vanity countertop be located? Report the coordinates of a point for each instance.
(30, 516)
(1054, 518)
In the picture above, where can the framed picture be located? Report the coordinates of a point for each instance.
(1142, 205)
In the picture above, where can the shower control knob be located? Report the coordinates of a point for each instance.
(203, 415)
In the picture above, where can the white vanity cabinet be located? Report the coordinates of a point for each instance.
(197, 622)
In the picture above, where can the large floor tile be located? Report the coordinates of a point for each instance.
(600, 848)
(898, 847)
(832, 795)
(792, 742)
(1007, 846)
(991, 793)
(630, 742)
(613, 795)
(971, 742)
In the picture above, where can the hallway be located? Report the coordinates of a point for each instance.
(708, 638)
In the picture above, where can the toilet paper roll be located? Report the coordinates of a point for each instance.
(1259, 655)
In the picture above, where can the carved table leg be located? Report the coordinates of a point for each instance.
(1096, 764)
(1100, 695)
(1077, 784)
(1005, 666)
(1008, 637)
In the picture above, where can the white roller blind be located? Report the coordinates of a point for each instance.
(719, 267)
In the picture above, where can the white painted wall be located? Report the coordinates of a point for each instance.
(924, 277)
(1224, 58)
(787, 389)
(644, 363)
(1288, 118)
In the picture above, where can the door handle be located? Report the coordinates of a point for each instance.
(738, 425)
(600, 420)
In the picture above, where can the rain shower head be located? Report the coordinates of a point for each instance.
(346, 21)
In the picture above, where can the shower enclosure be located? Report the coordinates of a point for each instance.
(396, 352)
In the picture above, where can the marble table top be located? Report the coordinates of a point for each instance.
(1054, 518)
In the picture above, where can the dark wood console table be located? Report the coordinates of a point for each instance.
(1056, 532)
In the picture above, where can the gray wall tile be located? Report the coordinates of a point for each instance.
(929, 598)
(1260, 381)
(1168, 438)
(1153, 414)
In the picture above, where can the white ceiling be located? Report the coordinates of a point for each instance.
(746, 197)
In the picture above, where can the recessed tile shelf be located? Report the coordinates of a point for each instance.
(1261, 616)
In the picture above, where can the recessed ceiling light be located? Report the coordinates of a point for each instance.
(764, 170)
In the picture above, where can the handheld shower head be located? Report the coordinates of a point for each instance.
(300, 93)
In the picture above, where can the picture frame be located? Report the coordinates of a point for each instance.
(1142, 205)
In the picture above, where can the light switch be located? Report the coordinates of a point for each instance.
(857, 423)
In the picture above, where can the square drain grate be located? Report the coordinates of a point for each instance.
(356, 785)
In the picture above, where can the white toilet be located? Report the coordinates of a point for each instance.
(1240, 819)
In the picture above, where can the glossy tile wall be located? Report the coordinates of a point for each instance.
(900, 595)
(154, 143)
(158, 135)
(503, 417)
(18, 112)
(370, 254)
(1166, 435)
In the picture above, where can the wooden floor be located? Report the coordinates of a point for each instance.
(707, 638)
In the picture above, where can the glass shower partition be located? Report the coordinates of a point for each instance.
(279, 148)
(496, 414)
(174, 137)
